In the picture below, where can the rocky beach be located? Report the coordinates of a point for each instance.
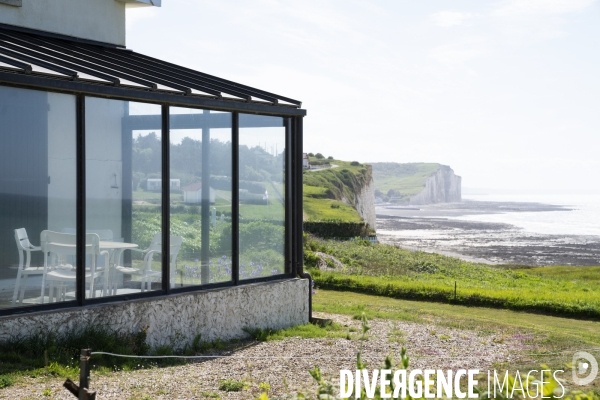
(439, 228)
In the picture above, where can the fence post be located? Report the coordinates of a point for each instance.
(81, 391)
(84, 373)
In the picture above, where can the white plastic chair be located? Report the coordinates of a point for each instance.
(25, 269)
(146, 271)
(60, 247)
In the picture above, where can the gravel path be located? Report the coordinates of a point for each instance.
(285, 364)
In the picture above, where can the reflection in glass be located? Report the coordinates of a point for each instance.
(262, 190)
(201, 205)
(123, 196)
(37, 193)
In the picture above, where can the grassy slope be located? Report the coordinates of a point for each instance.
(324, 191)
(408, 179)
(394, 272)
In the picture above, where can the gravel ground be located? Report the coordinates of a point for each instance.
(285, 364)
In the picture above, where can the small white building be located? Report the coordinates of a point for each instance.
(305, 161)
(192, 194)
(155, 185)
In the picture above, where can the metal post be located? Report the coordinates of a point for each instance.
(166, 199)
(205, 213)
(80, 213)
(235, 197)
(288, 196)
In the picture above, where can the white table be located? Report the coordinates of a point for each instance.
(115, 250)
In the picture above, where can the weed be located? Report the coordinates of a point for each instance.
(258, 334)
(6, 381)
(47, 392)
(264, 386)
(397, 336)
(231, 385)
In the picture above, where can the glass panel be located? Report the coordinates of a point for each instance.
(123, 197)
(262, 190)
(37, 194)
(201, 206)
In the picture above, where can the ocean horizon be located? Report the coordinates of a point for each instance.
(580, 217)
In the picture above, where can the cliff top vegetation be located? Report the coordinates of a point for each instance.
(329, 192)
(401, 181)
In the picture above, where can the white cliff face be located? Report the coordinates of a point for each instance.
(364, 202)
(441, 187)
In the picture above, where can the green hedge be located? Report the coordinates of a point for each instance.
(336, 229)
(427, 291)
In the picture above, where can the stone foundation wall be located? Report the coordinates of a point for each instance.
(177, 319)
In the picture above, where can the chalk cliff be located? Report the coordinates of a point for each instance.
(364, 202)
(443, 186)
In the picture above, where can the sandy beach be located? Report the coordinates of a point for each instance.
(438, 228)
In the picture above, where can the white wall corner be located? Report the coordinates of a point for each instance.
(141, 3)
(16, 3)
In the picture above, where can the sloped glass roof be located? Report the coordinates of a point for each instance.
(32, 52)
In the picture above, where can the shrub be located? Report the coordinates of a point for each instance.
(336, 229)
(231, 385)
(6, 381)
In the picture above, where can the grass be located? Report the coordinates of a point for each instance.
(306, 331)
(327, 192)
(554, 339)
(398, 273)
(328, 209)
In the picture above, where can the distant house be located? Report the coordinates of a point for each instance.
(192, 194)
(305, 161)
(155, 185)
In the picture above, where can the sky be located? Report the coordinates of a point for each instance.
(505, 92)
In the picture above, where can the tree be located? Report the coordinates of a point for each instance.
(319, 156)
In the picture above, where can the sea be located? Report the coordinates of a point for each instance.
(582, 217)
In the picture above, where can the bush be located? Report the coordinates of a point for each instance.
(6, 381)
(336, 229)
(231, 385)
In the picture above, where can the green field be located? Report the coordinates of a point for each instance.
(398, 273)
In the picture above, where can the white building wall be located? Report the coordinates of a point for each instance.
(100, 20)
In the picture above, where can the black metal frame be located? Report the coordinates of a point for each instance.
(292, 117)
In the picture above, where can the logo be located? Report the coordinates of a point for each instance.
(584, 372)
